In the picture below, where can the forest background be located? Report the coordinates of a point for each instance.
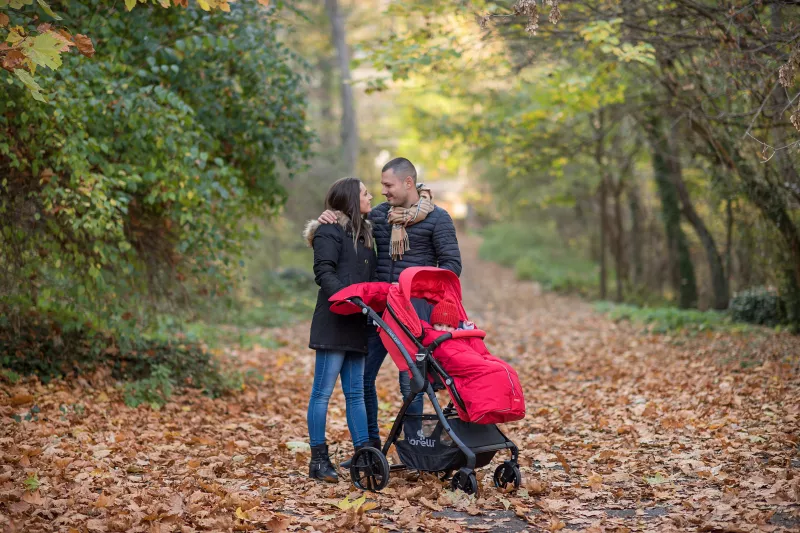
(157, 162)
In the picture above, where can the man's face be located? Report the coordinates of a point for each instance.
(395, 188)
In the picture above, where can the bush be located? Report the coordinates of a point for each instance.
(154, 390)
(45, 348)
(759, 306)
(667, 319)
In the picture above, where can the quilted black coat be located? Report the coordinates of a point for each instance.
(433, 243)
(337, 264)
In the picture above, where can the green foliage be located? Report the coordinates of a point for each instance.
(154, 152)
(32, 482)
(539, 254)
(31, 43)
(9, 375)
(154, 390)
(759, 306)
(669, 319)
(43, 347)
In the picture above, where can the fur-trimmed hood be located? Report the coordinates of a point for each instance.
(344, 221)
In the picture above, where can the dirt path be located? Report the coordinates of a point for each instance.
(625, 431)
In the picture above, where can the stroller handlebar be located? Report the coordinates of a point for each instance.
(417, 379)
(365, 309)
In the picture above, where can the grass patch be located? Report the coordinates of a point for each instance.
(671, 319)
(538, 254)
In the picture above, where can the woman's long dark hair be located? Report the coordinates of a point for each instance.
(345, 196)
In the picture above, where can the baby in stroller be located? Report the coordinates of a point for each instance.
(484, 389)
(444, 317)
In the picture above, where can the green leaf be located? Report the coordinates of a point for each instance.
(46, 50)
(31, 84)
(658, 479)
(31, 482)
(130, 4)
(47, 9)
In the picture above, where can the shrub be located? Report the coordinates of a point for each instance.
(45, 348)
(759, 306)
(154, 390)
(667, 319)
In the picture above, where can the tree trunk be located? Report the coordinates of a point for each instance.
(328, 91)
(603, 228)
(772, 206)
(634, 205)
(728, 242)
(619, 260)
(719, 281)
(603, 193)
(682, 270)
(349, 129)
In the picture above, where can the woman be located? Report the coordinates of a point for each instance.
(343, 255)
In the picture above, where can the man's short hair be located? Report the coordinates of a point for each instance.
(401, 167)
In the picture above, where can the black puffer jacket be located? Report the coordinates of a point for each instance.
(337, 264)
(433, 243)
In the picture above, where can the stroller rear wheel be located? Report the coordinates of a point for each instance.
(507, 473)
(369, 469)
(465, 480)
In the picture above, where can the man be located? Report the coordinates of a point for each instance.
(409, 231)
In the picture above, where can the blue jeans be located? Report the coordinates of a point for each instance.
(329, 364)
(376, 353)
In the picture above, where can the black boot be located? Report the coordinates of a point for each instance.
(320, 466)
(370, 443)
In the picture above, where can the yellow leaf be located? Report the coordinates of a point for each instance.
(15, 35)
(204, 5)
(130, 4)
(346, 504)
(241, 515)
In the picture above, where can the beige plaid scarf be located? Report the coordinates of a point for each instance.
(400, 217)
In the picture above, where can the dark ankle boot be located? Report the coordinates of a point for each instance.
(370, 443)
(320, 466)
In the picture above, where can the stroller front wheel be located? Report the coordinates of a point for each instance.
(369, 469)
(507, 473)
(465, 480)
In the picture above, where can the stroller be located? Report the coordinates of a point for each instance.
(484, 390)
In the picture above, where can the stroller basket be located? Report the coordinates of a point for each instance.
(427, 447)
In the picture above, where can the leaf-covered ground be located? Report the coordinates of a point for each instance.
(626, 431)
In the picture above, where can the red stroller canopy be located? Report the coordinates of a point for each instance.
(429, 283)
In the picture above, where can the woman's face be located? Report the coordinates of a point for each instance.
(366, 200)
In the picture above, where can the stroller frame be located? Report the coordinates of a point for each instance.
(370, 470)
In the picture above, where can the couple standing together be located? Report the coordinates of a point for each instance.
(407, 230)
